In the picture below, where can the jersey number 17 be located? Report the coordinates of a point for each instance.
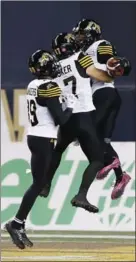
(71, 79)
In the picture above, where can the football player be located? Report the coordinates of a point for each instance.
(45, 114)
(76, 68)
(105, 96)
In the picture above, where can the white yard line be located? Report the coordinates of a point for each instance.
(67, 241)
(49, 258)
(58, 241)
(74, 236)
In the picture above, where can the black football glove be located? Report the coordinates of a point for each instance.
(125, 64)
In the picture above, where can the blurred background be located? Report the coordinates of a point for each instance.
(25, 27)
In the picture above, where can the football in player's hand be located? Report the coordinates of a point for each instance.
(114, 67)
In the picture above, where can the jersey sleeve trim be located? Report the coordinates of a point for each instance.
(86, 61)
(55, 91)
(105, 51)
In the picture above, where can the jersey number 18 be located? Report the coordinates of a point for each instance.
(31, 106)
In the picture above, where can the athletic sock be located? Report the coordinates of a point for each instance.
(23, 226)
(118, 172)
(17, 224)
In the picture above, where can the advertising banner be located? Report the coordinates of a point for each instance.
(56, 212)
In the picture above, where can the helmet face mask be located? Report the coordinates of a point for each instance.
(56, 68)
(44, 65)
(80, 39)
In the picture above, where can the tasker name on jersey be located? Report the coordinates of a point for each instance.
(65, 70)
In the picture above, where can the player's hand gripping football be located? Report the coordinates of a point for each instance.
(118, 66)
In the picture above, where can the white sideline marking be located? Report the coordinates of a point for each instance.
(58, 241)
(75, 236)
(48, 258)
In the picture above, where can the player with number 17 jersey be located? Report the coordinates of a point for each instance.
(73, 79)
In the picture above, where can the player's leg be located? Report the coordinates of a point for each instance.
(91, 147)
(65, 137)
(111, 157)
(110, 123)
(41, 150)
(122, 178)
(107, 102)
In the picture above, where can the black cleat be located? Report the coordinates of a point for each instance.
(45, 192)
(25, 239)
(15, 234)
(81, 201)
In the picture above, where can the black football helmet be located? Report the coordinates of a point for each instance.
(87, 32)
(43, 64)
(64, 45)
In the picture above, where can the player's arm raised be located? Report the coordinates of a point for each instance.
(86, 62)
(49, 94)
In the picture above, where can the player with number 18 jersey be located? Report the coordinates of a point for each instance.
(45, 114)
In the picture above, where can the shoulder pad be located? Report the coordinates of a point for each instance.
(81, 54)
(48, 85)
(107, 42)
(104, 43)
(51, 85)
(49, 89)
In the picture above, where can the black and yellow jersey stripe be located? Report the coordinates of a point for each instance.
(56, 91)
(48, 96)
(105, 51)
(48, 90)
(85, 61)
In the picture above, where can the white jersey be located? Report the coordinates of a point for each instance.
(71, 82)
(40, 122)
(93, 52)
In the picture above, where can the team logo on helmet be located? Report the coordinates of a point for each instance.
(69, 37)
(43, 60)
(92, 25)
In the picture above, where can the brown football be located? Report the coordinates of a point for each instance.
(114, 67)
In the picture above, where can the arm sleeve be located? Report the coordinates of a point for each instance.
(48, 95)
(60, 117)
(105, 51)
(85, 60)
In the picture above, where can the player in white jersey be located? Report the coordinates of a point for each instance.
(105, 97)
(45, 114)
(74, 79)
